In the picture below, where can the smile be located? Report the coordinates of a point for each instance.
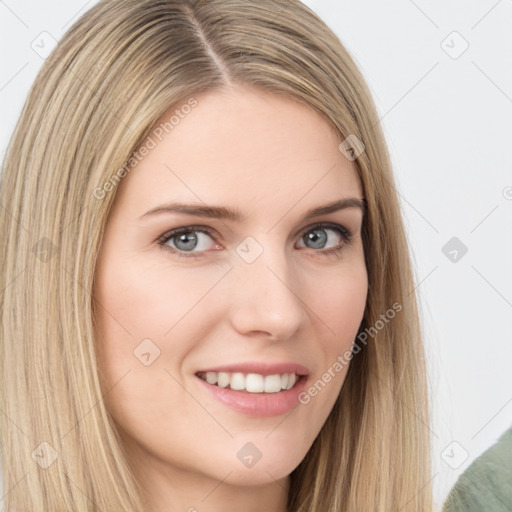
(253, 394)
(250, 382)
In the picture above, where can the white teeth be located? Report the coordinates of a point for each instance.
(291, 380)
(223, 379)
(251, 382)
(211, 377)
(254, 383)
(272, 383)
(237, 381)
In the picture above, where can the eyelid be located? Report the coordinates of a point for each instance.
(346, 232)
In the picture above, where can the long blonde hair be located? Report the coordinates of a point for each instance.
(94, 101)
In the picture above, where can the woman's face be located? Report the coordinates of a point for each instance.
(241, 301)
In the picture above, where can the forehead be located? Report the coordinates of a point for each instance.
(241, 147)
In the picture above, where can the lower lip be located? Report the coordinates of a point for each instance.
(258, 405)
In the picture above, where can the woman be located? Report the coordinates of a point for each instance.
(207, 293)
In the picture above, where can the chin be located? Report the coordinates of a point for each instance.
(259, 475)
(273, 464)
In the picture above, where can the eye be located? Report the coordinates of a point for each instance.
(318, 237)
(191, 241)
(186, 239)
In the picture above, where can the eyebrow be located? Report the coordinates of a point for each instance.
(221, 212)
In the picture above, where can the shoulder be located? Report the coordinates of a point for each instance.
(487, 483)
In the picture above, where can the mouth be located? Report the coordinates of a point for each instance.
(252, 382)
(255, 389)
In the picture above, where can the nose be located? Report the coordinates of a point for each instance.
(265, 297)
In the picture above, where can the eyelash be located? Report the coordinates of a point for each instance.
(345, 233)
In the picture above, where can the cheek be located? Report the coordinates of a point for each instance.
(338, 300)
(136, 307)
(141, 300)
(149, 317)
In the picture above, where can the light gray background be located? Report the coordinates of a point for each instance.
(447, 116)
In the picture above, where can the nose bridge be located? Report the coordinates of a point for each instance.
(266, 297)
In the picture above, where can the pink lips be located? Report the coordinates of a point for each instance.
(258, 404)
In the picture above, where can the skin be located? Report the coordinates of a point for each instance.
(272, 158)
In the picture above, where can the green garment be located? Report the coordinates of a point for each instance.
(486, 485)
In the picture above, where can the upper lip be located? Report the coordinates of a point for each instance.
(260, 368)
